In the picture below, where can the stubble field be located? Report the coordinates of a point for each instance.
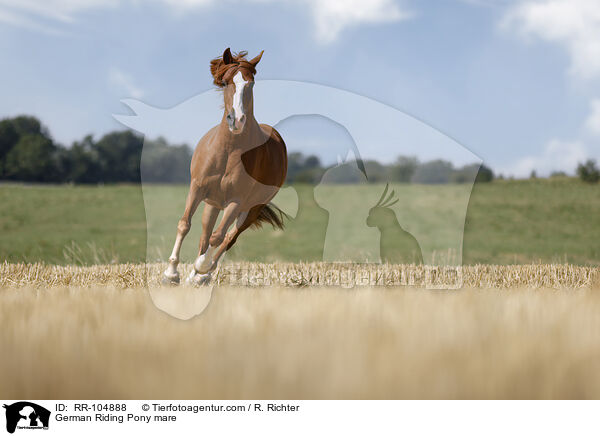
(94, 332)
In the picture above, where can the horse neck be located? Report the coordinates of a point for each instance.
(252, 135)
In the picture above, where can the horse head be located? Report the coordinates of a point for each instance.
(235, 76)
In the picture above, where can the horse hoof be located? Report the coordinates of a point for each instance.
(197, 279)
(170, 279)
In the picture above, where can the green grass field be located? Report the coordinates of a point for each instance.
(551, 221)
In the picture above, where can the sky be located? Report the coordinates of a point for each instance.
(516, 82)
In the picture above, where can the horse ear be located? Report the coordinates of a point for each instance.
(227, 58)
(217, 63)
(256, 60)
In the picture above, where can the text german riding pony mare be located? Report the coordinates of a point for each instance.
(237, 167)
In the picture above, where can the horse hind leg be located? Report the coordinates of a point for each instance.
(171, 275)
(250, 219)
(231, 235)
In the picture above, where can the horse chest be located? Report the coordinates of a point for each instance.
(229, 182)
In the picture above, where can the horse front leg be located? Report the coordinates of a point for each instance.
(209, 246)
(195, 196)
(241, 218)
(209, 218)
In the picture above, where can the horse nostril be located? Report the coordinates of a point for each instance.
(230, 120)
(242, 119)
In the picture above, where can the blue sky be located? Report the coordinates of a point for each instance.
(517, 82)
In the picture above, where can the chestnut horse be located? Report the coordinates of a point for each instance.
(237, 167)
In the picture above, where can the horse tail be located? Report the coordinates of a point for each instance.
(262, 213)
(270, 214)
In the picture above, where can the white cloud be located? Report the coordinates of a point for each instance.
(574, 24)
(330, 17)
(58, 10)
(19, 20)
(188, 4)
(124, 83)
(557, 156)
(333, 16)
(593, 121)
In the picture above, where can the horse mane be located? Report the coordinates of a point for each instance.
(219, 69)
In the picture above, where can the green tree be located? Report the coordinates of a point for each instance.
(119, 156)
(165, 163)
(304, 169)
(376, 172)
(11, 130)
(403, 169)
(433, 172)
(588, 172)
(484, 174)
(466, 174)
(8, 139)
(80, 162)
(472, 173)
(28, 125)
(32, 159)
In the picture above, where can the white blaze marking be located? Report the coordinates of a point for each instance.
(240, 85)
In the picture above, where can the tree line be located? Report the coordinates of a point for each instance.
(29, 154)
(308, 169)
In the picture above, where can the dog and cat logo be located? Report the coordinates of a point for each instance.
(26, 415)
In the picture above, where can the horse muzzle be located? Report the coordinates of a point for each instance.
(236, 124)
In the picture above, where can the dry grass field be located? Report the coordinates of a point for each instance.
(93, 332)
